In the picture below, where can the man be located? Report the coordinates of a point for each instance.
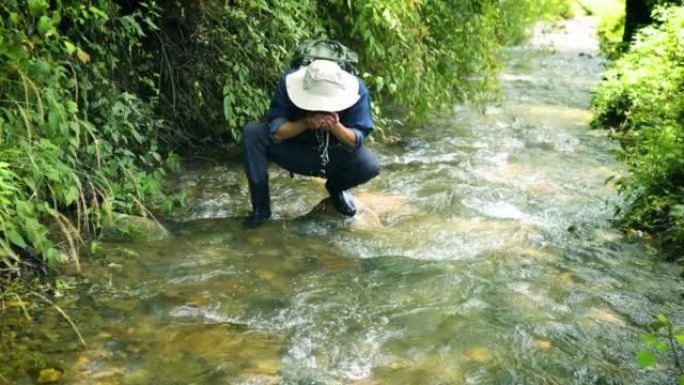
(318, 120)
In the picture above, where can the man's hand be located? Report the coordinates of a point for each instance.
(323, 120)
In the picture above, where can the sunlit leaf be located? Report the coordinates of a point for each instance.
(16, 238)
(44, 25)
(646, 359)
(662, 346)
(69, 47)
(94, 247)
(679, 338)
(37, 7)
(649, 339)
(71, 195)
(83, 56)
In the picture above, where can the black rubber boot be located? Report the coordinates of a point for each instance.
(261, 205)
(343, 202)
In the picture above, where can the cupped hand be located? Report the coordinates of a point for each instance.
(323, 120)
(329, 121)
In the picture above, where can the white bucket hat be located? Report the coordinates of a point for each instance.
(322, 86)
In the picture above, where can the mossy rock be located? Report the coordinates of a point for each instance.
(133, 228)
(49, 376)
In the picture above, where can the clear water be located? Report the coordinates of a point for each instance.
(489, 259)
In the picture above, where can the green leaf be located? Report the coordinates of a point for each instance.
(94, 247)
(71, 195)
(16, 238)
(646, 359)
(681, 379)
(55, 257)
(37, 7)
(657, 325)
(663, 347)
(69, 47)
(663, 318)
(649, 339)
(44, 25)
(83, 56)
(679, 338)
(53, 120)
(72, 107)
(228, 107)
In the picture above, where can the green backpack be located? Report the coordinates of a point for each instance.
(325, 49)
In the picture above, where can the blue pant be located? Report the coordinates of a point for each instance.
(345, 169)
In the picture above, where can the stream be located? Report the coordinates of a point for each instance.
(485, 254)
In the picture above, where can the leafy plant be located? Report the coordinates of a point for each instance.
(221, 62)
(667, 340)
(74, 144)
(641, 101)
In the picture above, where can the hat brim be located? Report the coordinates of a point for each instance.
(307, 100)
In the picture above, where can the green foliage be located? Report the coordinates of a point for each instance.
(74, 145)
(222, 62)
(666, 343)
(641, 100)
(422, 55)
(610, 31)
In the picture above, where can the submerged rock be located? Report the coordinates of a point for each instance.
(133, 228)
(543, 345)
(478, 354)
(49, 376)
(365, 217)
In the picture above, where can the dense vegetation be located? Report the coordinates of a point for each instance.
(97, 95)
(641, 100)
(75, 144)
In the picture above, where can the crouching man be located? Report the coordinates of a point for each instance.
(318, 120)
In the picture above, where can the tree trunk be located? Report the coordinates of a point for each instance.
(637, 15)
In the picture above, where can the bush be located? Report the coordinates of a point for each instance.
(74, 145)
(223, 61)
(641, 100)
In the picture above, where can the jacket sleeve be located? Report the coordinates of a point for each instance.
(281, 108)
(358, 117)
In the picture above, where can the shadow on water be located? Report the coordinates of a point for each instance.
(483, 254)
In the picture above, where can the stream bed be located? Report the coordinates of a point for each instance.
(485, 254)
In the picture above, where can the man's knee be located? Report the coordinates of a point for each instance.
(254, 132)
(370, 166)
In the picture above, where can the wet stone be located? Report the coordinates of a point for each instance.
(133, 228)
(365, 217)
(478, 354)
(543, 345)
(49, 376)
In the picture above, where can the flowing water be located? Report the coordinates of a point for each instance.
(489, 258)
